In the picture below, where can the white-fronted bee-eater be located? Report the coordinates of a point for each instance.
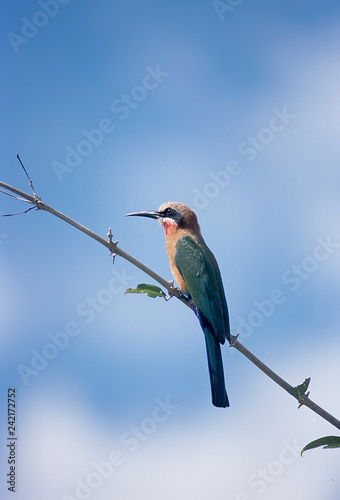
(196, 271)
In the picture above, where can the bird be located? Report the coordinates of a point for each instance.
(196, 271)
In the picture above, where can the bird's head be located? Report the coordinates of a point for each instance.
(173, 216)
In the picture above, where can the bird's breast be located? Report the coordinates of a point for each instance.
(171, 240)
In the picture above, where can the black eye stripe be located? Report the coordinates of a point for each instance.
(169, 211)
(172, 213)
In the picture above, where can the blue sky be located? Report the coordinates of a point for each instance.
(117, 107)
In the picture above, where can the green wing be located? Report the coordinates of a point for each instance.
(199, 268)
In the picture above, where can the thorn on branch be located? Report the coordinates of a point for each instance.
(299, 392)
(233, 338)
(110, 235)
(302, 398)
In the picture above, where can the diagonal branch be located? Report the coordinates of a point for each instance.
(301, 397)
(114, 249)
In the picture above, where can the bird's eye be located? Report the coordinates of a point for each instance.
(171, 213)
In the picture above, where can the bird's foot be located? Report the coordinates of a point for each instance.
(173, 291)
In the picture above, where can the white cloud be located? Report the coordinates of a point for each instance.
(251, 448)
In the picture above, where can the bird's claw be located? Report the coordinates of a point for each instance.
(174, 291)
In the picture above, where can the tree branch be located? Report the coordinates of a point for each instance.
(302, 398)
(298, 394)
(114, 249)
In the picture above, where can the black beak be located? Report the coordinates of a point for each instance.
(147, 213)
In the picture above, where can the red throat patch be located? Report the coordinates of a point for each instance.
(169, 226)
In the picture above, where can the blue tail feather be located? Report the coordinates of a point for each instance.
(215, 365)
(218, 391)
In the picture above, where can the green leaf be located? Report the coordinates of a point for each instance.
(326, 442)
(151, 290)
(301, 389)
